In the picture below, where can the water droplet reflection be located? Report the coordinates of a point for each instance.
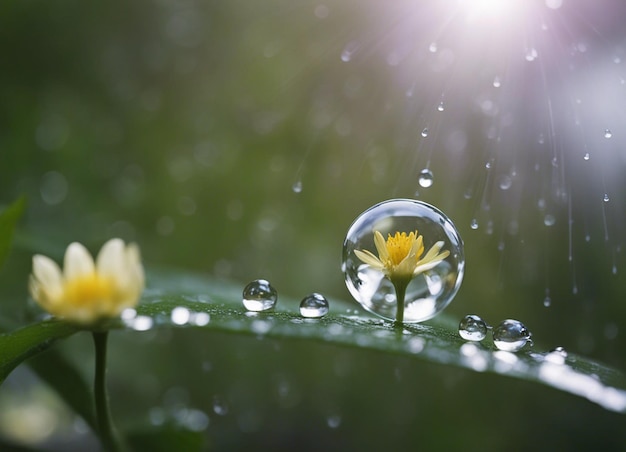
(426, 178)
(511, 335)
(259, 296)
(314, 306)
(472, 328)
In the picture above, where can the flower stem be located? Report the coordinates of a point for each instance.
(400, 287)
(103, 415)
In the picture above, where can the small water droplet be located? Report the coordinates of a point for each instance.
(505, 182)
(426, 178)
(425, 132)
(608, 133)
(496, 82)
(297, 187)
(547, 301)
(259, 295)
(549, 220)
(474, 224)
(557, 356)
(334, 421)
(472, 328)
(314, 306)
(586, 156)
(220, 407)
(488, 165)
(440, 107)
(432, 48)
(180, 315)
(511, 335)
(349, 50)
(606, 198)
(531, 54)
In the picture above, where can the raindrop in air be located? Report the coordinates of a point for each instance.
(608, 133)
(428, 292)
(474, 224)
(297, 187)
(425, 132)
(314, 306)
(505, 182)
(549, 220)
(259, 295)
(440, 107)
(472, 328)
(547, 301)
(432, 48)
(496, 82)
(426, 178)
(606, 198)
(586, 156)
(511, 335)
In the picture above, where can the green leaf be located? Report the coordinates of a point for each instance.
(21, 344)
(185, 301)
(8, 220)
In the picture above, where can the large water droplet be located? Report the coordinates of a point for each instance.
(426, 178)
(259, 295)
(430, 291)
(472, 328)
(314, 306)
(608, 133)
(511, 335)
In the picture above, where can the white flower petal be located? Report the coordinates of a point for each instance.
(368, 258)
(381, 246)
(47, 273)
(78, 262)
(111, 260)
(433, 251)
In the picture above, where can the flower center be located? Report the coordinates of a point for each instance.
(89, 289)
(399, 246)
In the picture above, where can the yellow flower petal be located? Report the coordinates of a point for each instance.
(369, 259)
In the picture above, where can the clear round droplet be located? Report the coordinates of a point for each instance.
(586, 156)
(314, 306)
(496, 82)
(474, 224)
(428, 292)
(505, 182)
(297, 187)
(259, 296)
(547, 302)
(440, 107)
(426, 178)
(425, 132)
(608, 133)
(472, 328)
(511, 335)
(549, 220)
(606, 198)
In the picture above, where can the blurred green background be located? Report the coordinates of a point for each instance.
(185, 126)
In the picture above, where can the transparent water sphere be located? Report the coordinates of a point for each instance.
(429, 292)
(314, 306)
(259, 296)
(472, 328)
(511, 335)
(426, 178)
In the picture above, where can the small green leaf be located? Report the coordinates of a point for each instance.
(21, 344)
(8, 220)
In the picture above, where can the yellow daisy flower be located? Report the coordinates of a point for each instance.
(87, 291)
(400, 259)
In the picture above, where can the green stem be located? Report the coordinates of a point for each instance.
(400, 287)
(103, 414)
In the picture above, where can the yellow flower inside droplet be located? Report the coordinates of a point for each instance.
(87, 291)
(400, 256)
